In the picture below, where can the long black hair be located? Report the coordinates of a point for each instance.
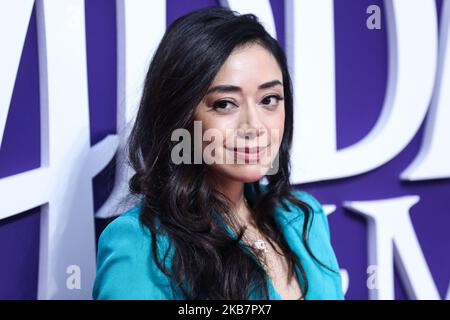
(207, 262)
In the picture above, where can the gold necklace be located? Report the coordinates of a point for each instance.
(261, 246)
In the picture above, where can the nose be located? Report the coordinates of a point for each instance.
(250, 133)
(251, 126)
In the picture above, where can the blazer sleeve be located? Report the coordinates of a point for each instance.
(125, 266)
(320, 232)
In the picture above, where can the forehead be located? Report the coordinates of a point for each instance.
(248, 66)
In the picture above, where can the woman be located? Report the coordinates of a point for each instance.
(210, 229)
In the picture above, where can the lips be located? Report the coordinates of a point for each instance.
(249, 149)
(249, 153)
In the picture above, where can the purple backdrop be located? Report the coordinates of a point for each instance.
(361, 71)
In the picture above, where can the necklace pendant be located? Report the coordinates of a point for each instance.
(261, 245)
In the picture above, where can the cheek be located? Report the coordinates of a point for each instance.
(276, 128)
(214, 135)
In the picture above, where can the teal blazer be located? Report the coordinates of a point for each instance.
(126, 269)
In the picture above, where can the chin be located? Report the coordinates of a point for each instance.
(247, 173)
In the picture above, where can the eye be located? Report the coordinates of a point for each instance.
(272, 100)
(223, 106)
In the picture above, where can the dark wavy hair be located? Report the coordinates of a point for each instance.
(207, 262)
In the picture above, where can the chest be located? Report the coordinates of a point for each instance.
(288, 287)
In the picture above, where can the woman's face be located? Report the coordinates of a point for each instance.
(242, 116)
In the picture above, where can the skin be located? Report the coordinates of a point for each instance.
(248, 117)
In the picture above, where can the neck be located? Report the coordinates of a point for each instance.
(234, 191)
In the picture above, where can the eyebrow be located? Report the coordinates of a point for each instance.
(224, 88)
